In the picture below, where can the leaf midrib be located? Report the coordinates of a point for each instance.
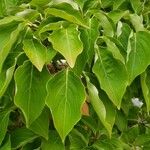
(29, 96)
(66, 99)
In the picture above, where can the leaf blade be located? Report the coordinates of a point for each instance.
(66, 112)
(111, 73)
(36, 52)
(28, 82)
(70, 45)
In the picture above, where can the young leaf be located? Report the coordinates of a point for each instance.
(65, 101)
(111, 73)
(36, 52)
(138, 58)
(70, 45)
(29, 82)
(67, 12)
(54, 142)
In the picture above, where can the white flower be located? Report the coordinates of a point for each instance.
(136, 102)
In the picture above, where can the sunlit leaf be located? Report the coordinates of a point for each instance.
(70, 45)
(36, 52)
(65, 101)
(111, 73)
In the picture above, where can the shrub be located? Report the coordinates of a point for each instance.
(74, 74)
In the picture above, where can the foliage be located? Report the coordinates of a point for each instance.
(74, 74)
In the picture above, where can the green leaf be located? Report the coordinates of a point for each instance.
(105, 22)
(28, 14)
(137, 22)
(7, 72)
(9, 35)
(121, 121)
(117, 3)
(110, 109)
(29, 82)
(106, 3)
(98, 105)
(110, 144)
(6, 6)
(54, 142)
(41, 125)
(131, 134)
(51, 26)
(50, 54)
(39, 2)
(117, 15)
(2, 8)
(92, 35)
(36, 52)
(67, 12)
(145, 84)
(114, 49)
(21, 137)
(4, 119)
(70, 45)
(90, 122)
(139, 54)
(10, 21)
(78, 139)
(65, 101)
(137, 6)
(111, 73)
(124, 36)
(6, 145)
(141, 139)
(80, 63)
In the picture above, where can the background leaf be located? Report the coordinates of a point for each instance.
(98, 106)
(9, 34)
(4, 119)
(145, 84)
(41, 125)
(54, 142)
(21, 136)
